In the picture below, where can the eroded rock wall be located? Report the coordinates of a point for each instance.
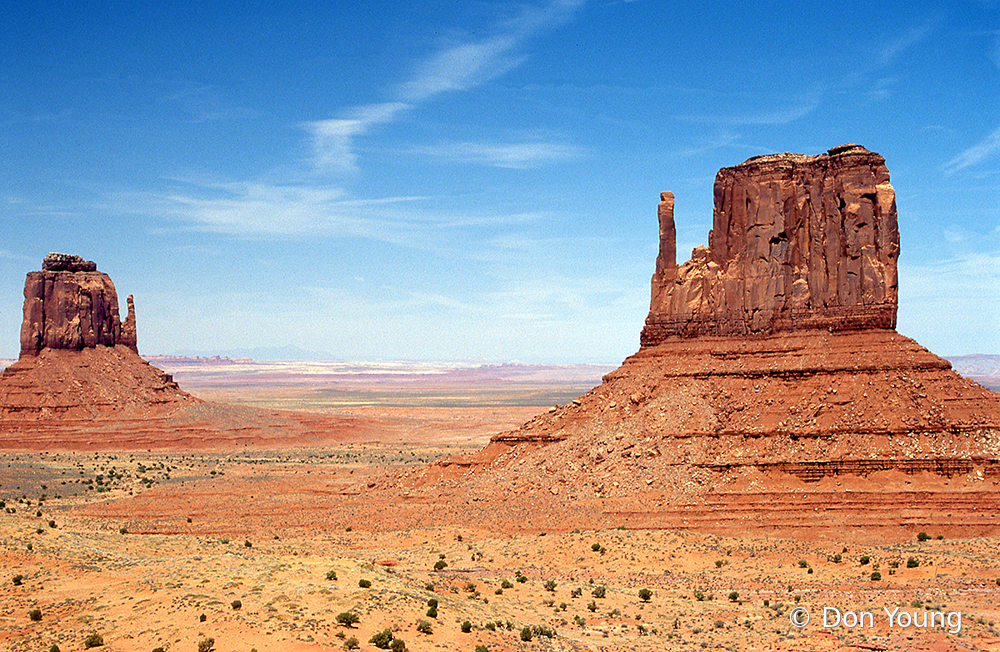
(70, 305)
(798, 242)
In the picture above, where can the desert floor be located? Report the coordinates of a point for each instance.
(167, 549)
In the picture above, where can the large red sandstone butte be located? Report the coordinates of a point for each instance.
(770, 358)
(80, 383)
(798, 242)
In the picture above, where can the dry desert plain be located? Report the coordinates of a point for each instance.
(265, 548)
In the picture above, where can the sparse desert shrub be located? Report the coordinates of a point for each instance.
(912, 562)
(837, 558)
(599, 592)
(432, 602)
(202, 618)
(876, 576)
(440, 564)
(236, 604)
(55, 648)
(580, 620)
(521, 579)
(491, 626)
(719, 624)
(35, 614)
(205, 645)
(482, 648)
(719, 563)
(596, 547)
(96, 640)
(733, 596)
(397, 645)
(699, 596)
(645, 595)
(52, 524)
(347, 619)
(18, 579)
(331, 575)
(352, 643)
(864, 560)
(550, 585)
(803, 563)
(432, 612)
(576, 593)
(506, 584)
(382, 639)
(365, 584)
(466, 627)
(542, 630)
(156, 649)
(424, 627)
(123, 530)
(525, 633)
(499, 591)
(247, 544)
(923, 536)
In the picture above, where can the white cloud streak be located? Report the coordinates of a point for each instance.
(519, 156)
(457, 67)
(976, 154)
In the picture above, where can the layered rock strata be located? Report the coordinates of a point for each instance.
(797, 242)
(70, 305)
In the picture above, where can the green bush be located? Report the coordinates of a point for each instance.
(526, 633)
(18, 579)
(397, 645)
(247, 544)
(645, 595)
(596, 547)
(365, 584)
(482, 648)
(35, 614)
(352, 643)
(864, 560)
(205, 645)
(55, 648)
(424, 627)
(347, 619)
(440, 564)
(202, 618)
(521, 579)
(599, 592)
(506, 584)
(912, 562)
(592, 606)
(466, 626)
(96, 640)
(432, 612)
(923, 536)
(733, 596)
(236, 604)
(382, 639)
(876, 576)
(803, 563)
(331, 575)
(550, 585)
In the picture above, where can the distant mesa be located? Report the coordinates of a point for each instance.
(78, 359)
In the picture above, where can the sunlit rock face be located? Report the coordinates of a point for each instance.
(798, 242)
(70, 305)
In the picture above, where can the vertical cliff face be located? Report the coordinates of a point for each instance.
(798, 242)
(70, 305)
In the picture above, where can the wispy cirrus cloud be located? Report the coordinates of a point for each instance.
(978, 153)
(518, 156)
(455, 67)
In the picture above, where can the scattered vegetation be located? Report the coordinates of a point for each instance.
(352, 643)
(923, 536)
(96, 640)
(348, 619)
(876, 576)
(18, 579)
(382, 639)
(35, 614)
(236, 604)
(424, 627)
(466, 627)
(331, 575)
(206, 645)
(599, 592)
(645, 595)
(864, 560)
(365, 584)
(912, 562)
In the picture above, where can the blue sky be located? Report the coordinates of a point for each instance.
(471, 180)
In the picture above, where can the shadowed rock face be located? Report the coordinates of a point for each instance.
(798, 242)
(70, 305)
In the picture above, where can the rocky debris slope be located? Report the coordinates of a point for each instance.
(797, 242)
